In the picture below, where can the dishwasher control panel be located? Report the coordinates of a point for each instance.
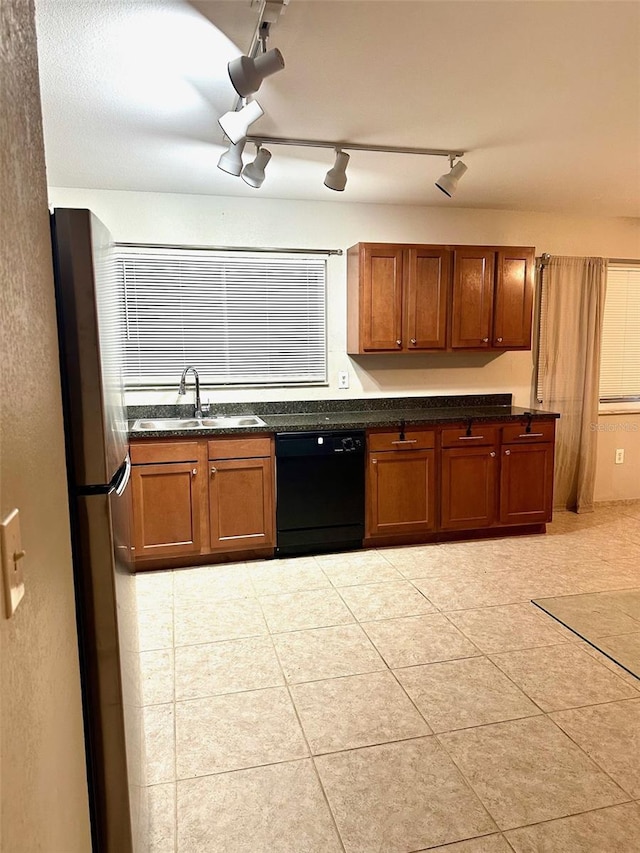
(348, 444)
(320, 443)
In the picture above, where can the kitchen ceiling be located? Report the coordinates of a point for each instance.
(544, 97)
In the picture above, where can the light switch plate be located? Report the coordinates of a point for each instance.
(12, 562)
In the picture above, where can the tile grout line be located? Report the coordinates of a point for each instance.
(306, 740)
(496, 663)
(590, 757)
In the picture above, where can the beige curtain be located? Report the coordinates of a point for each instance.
(574, 290)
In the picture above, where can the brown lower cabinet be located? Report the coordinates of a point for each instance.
(468, 494)
(526, 483)
(241, 486)
(487, 476)
(401, 483)
(197, 498)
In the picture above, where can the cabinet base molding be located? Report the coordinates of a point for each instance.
(455, 536)
(150, 565)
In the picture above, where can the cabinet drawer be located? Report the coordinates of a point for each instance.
(239, 448)
(480, 436)
(414, 439)
(517, 433)
(148, 453)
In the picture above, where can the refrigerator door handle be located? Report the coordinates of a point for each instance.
(126, 476)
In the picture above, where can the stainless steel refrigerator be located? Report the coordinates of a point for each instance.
(90, 308)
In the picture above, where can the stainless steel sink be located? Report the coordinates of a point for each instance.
(218, 422)
(230, 421)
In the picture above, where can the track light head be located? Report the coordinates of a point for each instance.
(247, 74)
(253, 173)
(236, 124)
(448, 183)
(336, 178)
(231, 160)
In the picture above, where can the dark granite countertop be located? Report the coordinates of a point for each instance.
(347, 414)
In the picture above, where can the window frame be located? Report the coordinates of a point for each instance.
(317, 351)
(609, 405)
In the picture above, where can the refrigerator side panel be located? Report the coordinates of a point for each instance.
(90, 317)
(110, 640)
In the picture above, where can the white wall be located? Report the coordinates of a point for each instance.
(618, 430)
(191, 219)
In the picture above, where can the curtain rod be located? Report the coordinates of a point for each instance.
(545, 257)
(274, 249)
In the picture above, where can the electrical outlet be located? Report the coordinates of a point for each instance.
(12, 562)
(620, 456)
(343, 379)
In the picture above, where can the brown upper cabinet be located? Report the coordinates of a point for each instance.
(397, 297)
(413, 298)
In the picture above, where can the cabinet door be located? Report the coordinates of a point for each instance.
(381, 296)
(513, 299)
(472, 304)
(401, 492)
(241, 515)
(468, 488)
(166, 509)
(427, 272)
(526, 484)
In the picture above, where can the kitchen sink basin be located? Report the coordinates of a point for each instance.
(218, 422)
(226, 421)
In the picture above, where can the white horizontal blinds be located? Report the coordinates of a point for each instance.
(620, 355)
(238, 318)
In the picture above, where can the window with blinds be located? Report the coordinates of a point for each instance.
(620, 346)
(620, 354)
(239, 319)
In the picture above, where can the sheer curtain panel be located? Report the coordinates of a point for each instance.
(574, 292)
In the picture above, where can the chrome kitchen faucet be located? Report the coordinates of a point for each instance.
(183, 389)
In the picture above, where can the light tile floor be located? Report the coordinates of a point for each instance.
(609, 620)
(394, 700)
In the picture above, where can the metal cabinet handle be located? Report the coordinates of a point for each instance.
(531, 435)
(469, 437)
(399, 343)
(374, 461)
(214, 470)
(194, 472)
(499, 340)
(414, 341)
(492, 454)
(507, 453)
(485, 340)
(405, 441)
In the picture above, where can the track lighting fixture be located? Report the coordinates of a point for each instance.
(253, 173)
(336, 178)
(231, 160)
(448, 183)
(236, 124)
(247, 74)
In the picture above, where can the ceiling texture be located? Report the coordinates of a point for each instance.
(543, 95)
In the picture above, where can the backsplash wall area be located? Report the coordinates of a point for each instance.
(202, 220)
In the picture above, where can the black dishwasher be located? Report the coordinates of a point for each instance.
(319, 491)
